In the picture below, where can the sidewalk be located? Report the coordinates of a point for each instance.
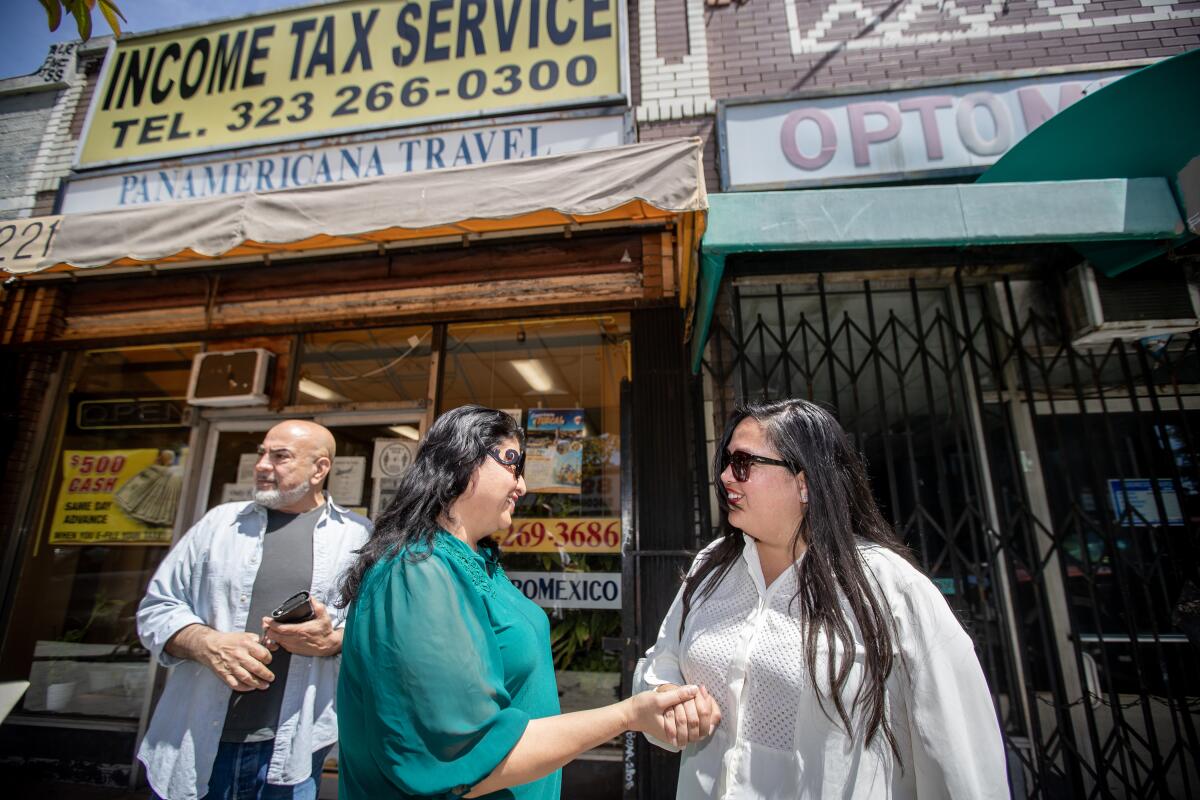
(58, 790)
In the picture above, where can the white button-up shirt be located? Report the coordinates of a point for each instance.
(775, 741)
(207, 578)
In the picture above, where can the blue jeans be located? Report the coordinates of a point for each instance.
(240, 773)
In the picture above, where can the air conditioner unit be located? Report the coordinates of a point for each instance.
(1153, 300)
(231, 378)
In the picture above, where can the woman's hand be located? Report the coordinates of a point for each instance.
(694, 719)
(674, 714)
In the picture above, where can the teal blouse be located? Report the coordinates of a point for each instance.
(444, 662)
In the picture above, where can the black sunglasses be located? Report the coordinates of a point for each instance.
(740, 462)
(512, 460)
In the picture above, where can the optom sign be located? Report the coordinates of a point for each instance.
(869, 138)
(317, 165)
(570, 589)
(354, 65)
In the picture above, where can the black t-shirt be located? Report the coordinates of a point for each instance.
(286, 568)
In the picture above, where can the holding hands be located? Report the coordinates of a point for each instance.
(678, 715)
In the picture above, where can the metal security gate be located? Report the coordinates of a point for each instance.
(1050, 491)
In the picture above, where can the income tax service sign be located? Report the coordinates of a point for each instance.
(332, 69)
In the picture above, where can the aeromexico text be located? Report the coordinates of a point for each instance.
(570, 589)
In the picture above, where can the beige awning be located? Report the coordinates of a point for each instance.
(633, 183)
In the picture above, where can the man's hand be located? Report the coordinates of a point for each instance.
(693, 719)
(238, 659)
(316, 637)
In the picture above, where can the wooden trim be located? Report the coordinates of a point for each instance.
(13, 311)
(531, 277)
(668, 263)
(652, 258)
(437, 371)
(362, 308)
(32, 319)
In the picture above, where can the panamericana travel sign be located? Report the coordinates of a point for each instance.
(333, 69)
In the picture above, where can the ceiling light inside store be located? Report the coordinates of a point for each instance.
(536, 375)
(314, 389)
(407, 431)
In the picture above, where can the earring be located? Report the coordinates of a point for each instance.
(804, 497)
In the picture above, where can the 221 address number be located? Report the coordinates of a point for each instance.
(26, 242)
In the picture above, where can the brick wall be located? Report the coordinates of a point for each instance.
(780, 47)
(671, 30)
(23, 120)
(37, 113)
(703, 127)
(672, 73)
(783, 46)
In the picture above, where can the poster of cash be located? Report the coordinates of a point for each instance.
(117, 497)
(554, 450)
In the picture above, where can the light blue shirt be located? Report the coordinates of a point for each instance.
(207, 578)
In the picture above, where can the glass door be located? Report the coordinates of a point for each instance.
(372, 448)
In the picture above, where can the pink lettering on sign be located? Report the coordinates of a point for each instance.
(974, 134)
(1034, 108)
(791, 148)
(927, 107)
(860, 137)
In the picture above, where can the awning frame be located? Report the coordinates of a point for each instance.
(657, 182)
(962, 215)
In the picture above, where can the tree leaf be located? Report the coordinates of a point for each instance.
(83, 19)
(113, 6)
(53, 13)
(110, 13)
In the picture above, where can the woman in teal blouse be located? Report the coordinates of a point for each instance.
(447, 684)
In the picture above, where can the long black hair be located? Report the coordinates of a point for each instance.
(841, 514)
(453, 448)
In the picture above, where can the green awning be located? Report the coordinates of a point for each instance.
(1146, 125)
(1116, 175)
(1117, 210)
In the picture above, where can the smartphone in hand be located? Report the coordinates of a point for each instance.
(297, 608)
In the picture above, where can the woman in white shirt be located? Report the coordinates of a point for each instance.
(838, 666)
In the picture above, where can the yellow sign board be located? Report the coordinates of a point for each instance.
(330, 69)
(571, 534)
(116, 497)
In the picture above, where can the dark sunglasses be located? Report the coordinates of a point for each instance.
(740, 462)
(512, 460)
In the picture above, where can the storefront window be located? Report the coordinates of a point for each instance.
(368, 365)
(371, 455)
(561, 380)
(106, 521)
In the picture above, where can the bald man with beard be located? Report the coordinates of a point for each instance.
(248, 709)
